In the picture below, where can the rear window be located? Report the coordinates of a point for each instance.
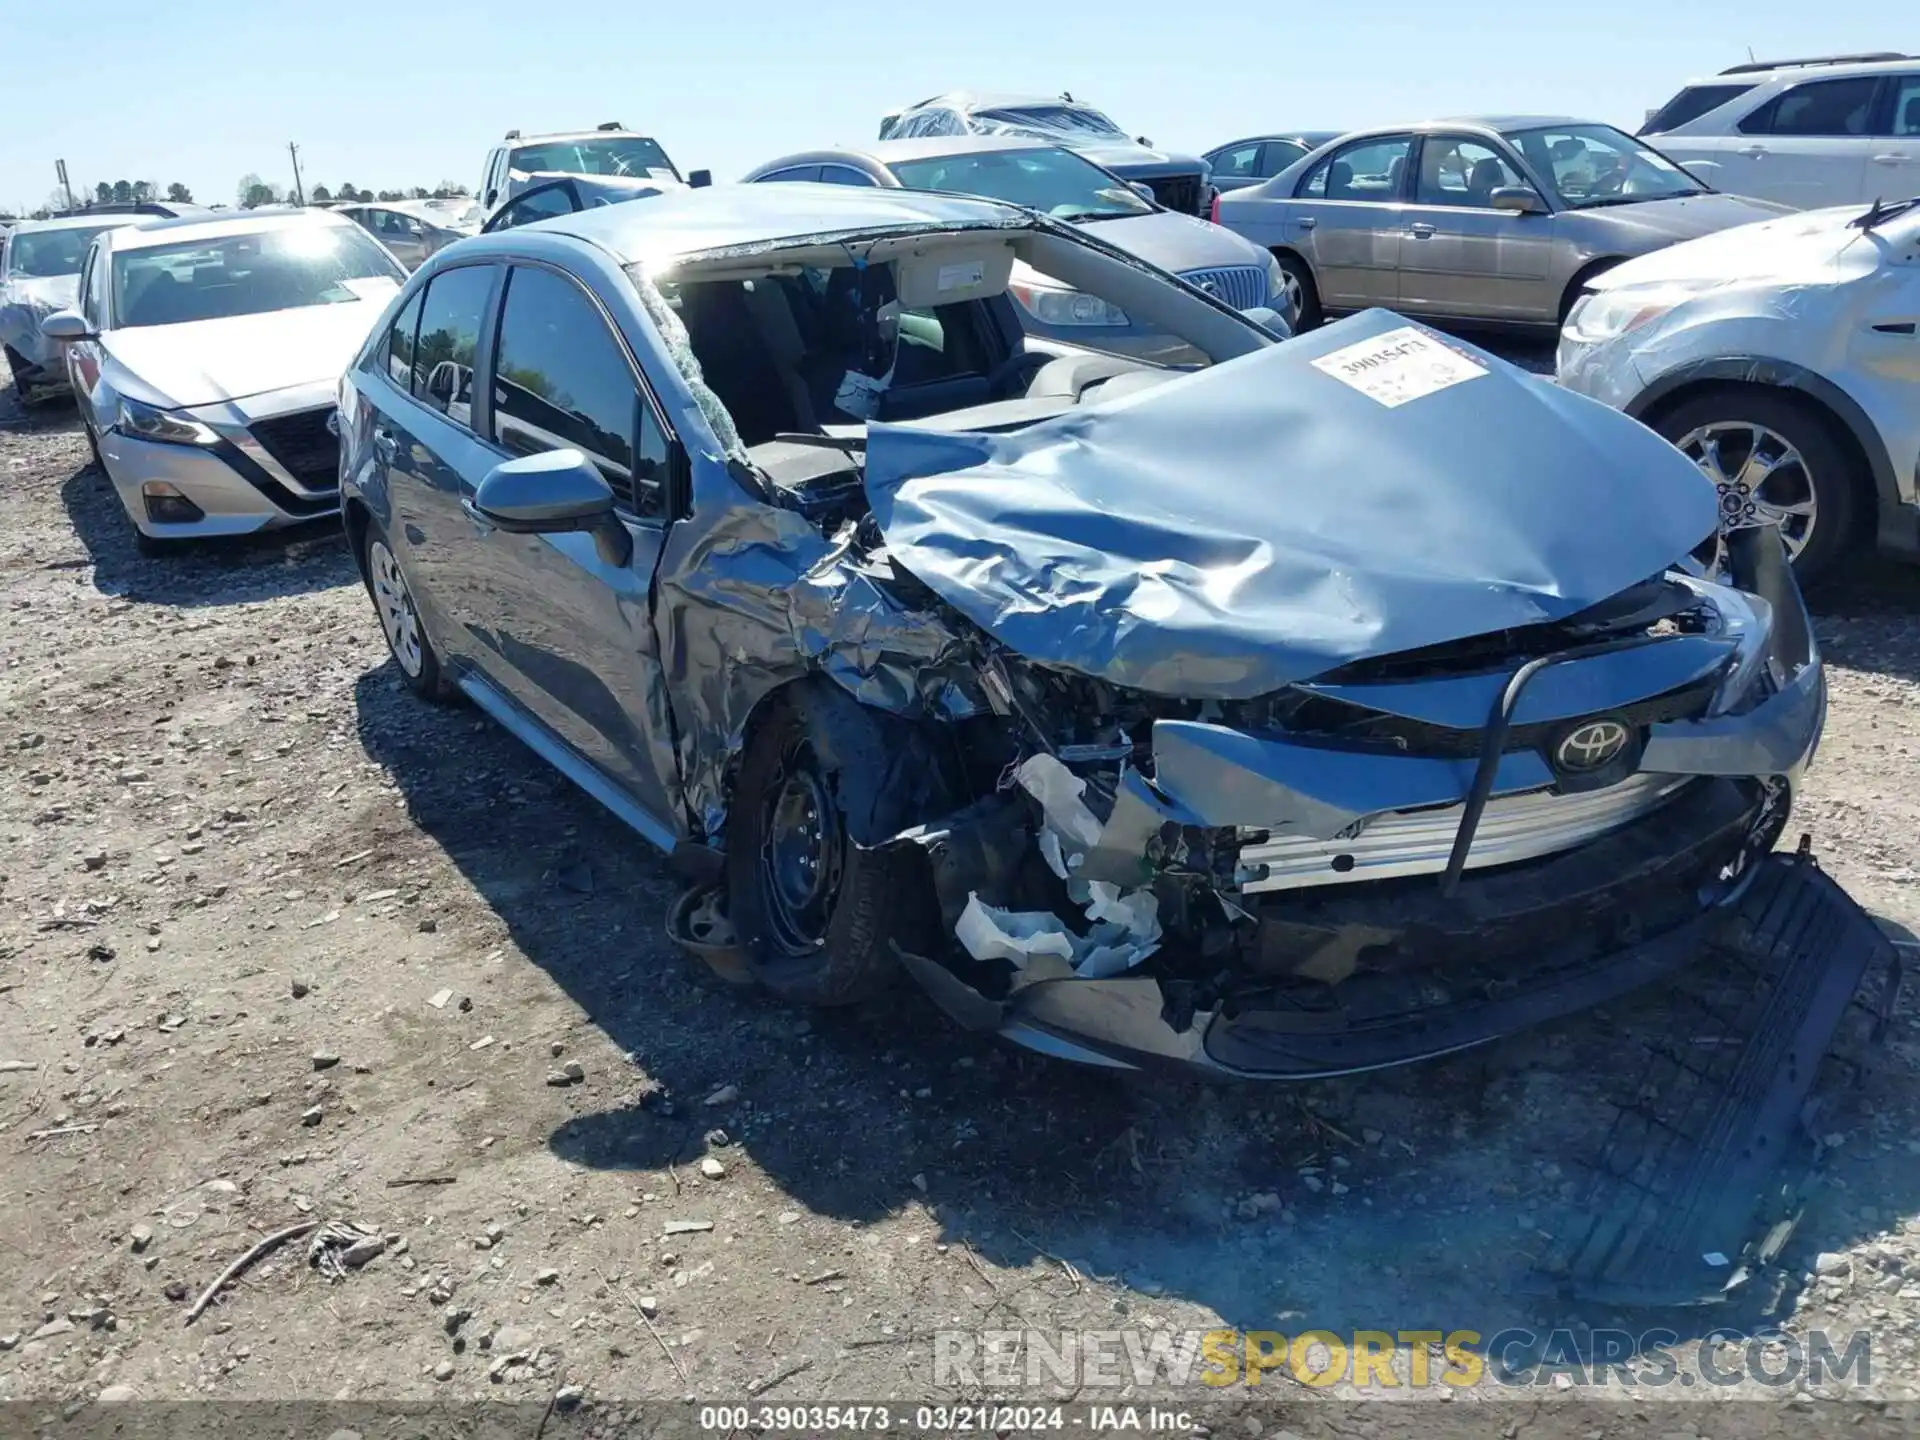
(250, 274)
(44, 254)
(1690, 104)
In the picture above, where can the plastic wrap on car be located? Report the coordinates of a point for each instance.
(1261, 522)
(27, 300)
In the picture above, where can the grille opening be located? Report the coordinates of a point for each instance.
(304, 445)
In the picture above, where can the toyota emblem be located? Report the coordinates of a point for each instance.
(1590, 746)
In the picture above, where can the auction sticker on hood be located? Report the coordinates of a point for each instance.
(1399, 366)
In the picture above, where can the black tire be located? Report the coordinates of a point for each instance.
(154, 548)
(817, 916)
(418, 662)
(93, 446)
(1302, 275)
(1837, 485)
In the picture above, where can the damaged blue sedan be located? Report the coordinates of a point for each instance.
(1297, 709)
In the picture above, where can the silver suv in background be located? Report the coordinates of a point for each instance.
(609, 149)
(1831, 130)
(1179, 182)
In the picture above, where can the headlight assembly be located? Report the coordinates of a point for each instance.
(145, 422)
(1602, 315)
(1057, 305)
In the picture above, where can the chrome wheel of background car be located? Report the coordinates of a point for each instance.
(801, 857)
(1292, 297)
(395, 604)
(1761, 478)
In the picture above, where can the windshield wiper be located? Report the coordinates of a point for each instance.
(1080, 217)
(1882, 211)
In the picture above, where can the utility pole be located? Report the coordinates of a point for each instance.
(299, 194)
(60, 169)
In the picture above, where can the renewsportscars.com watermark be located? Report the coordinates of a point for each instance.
(1380, 1360)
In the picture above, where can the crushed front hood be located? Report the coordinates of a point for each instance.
(1263, 521)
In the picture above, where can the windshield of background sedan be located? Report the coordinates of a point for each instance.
(1044, 120)
(251, 274)
(44, 254)
(613, 155)
(1054, 182)
(1592, 165)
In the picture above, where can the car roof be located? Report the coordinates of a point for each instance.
(1486, 124)
(893, 152)
(77, 222)
(997, 100)
(521, 141)
(1759, 72)
(690, 222)
(1310, 138)
(195, 227)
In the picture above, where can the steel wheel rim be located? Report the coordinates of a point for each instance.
(394, 602)
(800, 856)
(1760, 478)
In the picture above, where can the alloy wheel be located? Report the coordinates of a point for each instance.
(1292, 298)
(1761, 479)
(394, 602)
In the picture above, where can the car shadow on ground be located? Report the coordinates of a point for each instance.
(295, 561)
(1415, 1198)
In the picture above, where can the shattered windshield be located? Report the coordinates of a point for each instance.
(1595, 165)
(1051, 121)
(820, 339)
(46, 254)
(233, 275)
(600, 155)
(1054, 181)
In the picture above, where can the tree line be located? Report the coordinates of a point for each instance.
(251, 193)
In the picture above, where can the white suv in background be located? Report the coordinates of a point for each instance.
(1834, 130)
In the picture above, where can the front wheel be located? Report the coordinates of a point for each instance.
(406, 637)
(816, 912)
(1773, 461)
(1301, 297)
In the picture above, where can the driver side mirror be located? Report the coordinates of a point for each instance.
(549, 493)
(1141, 188)
(699, 179)
(1517, 200)
(66, 325)
(1270, 320)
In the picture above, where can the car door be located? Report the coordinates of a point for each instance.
(84, 357)
(1808, 146)
(1347, 219)
(1893, 167)
(1460, 256)
(403, 236)
(570, 621)
(427, 448)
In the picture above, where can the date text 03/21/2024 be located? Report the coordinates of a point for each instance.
(985, 1419)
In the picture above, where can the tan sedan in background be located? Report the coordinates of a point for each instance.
(1495, 220)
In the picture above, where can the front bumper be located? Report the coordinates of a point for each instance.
(237, 484)
(1569, 896)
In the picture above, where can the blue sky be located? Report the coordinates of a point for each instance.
(386, 95)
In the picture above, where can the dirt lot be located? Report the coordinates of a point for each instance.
(274, 938)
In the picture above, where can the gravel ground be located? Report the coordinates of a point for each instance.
(277, 942)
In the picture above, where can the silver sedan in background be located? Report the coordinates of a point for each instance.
(414, 229)
(1499, 220)
(205, 356)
